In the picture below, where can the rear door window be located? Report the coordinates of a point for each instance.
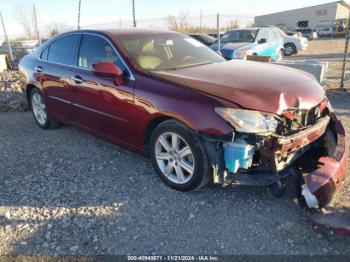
(271, 35)
(63, 50)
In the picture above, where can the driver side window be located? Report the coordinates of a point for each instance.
(95, 49)
(263, 34)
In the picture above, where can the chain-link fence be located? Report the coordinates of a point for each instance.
(327, 44)
(316, 34)
(189, 23)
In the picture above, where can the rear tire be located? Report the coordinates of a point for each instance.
(289, 49)
(40, 112)
(179, 157)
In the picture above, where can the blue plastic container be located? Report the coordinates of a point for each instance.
(237, 155)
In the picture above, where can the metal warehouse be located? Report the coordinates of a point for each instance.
(335, 13)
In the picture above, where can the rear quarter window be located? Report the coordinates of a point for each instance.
(63, 50)
(45, 53)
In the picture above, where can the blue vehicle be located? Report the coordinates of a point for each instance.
(239, 43)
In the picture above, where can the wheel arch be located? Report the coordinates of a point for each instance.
(150, 127)
(29, 88)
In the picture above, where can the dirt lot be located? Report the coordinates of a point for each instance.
(332, 51)
(325, 47)
(66, 192)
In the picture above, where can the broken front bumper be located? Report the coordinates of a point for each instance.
(317, 183)
(330, 175)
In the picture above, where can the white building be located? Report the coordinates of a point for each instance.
(308, 17)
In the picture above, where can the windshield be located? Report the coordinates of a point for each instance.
(281, 32)
(167, 51)
(237, 36)
(207, 38)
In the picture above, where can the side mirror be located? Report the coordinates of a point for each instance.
(262, 41)
(108, 69)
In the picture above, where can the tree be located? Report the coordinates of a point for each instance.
(172, 22)
(233, 24)
(25, 16)
(183, 21)
(55, 28)
(179, 23)
(249, 25)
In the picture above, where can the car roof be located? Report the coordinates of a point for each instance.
(126, 31)
(250, 28)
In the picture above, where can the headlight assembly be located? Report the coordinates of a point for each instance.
(248, 121)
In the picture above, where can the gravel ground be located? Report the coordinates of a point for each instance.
(65, 192)
(12, 97)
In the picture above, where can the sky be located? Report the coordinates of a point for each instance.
(95, 12)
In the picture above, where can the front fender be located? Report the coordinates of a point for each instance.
(158, 99)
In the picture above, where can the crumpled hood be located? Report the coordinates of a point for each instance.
(252, 85)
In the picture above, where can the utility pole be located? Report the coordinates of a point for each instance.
(218, 32)
(79, 7)
(200, 20)
(342, 89)
(36, 24)
(7, 40)
(133, 13)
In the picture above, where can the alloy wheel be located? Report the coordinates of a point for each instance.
(174, 158)
(39, 109)
(288, 50)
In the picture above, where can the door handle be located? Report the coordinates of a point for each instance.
(77, 79)
(39, 69)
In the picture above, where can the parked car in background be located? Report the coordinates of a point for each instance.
(204, 39)
(325, 31)
(292, 44)
(215, 35)
(293, 33)
(239, 43)
(198, 117)
(19, 48)
(309, 33)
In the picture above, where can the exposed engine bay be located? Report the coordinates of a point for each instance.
(308, 146)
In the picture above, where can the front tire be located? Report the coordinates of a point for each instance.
(40, 111)
(179, 157)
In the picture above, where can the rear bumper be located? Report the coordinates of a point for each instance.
(330, 176)
(303, 47)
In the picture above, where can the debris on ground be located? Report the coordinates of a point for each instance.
(12, 96)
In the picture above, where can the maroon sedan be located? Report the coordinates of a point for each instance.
(198, 117)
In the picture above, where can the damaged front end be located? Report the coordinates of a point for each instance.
(308, 145)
